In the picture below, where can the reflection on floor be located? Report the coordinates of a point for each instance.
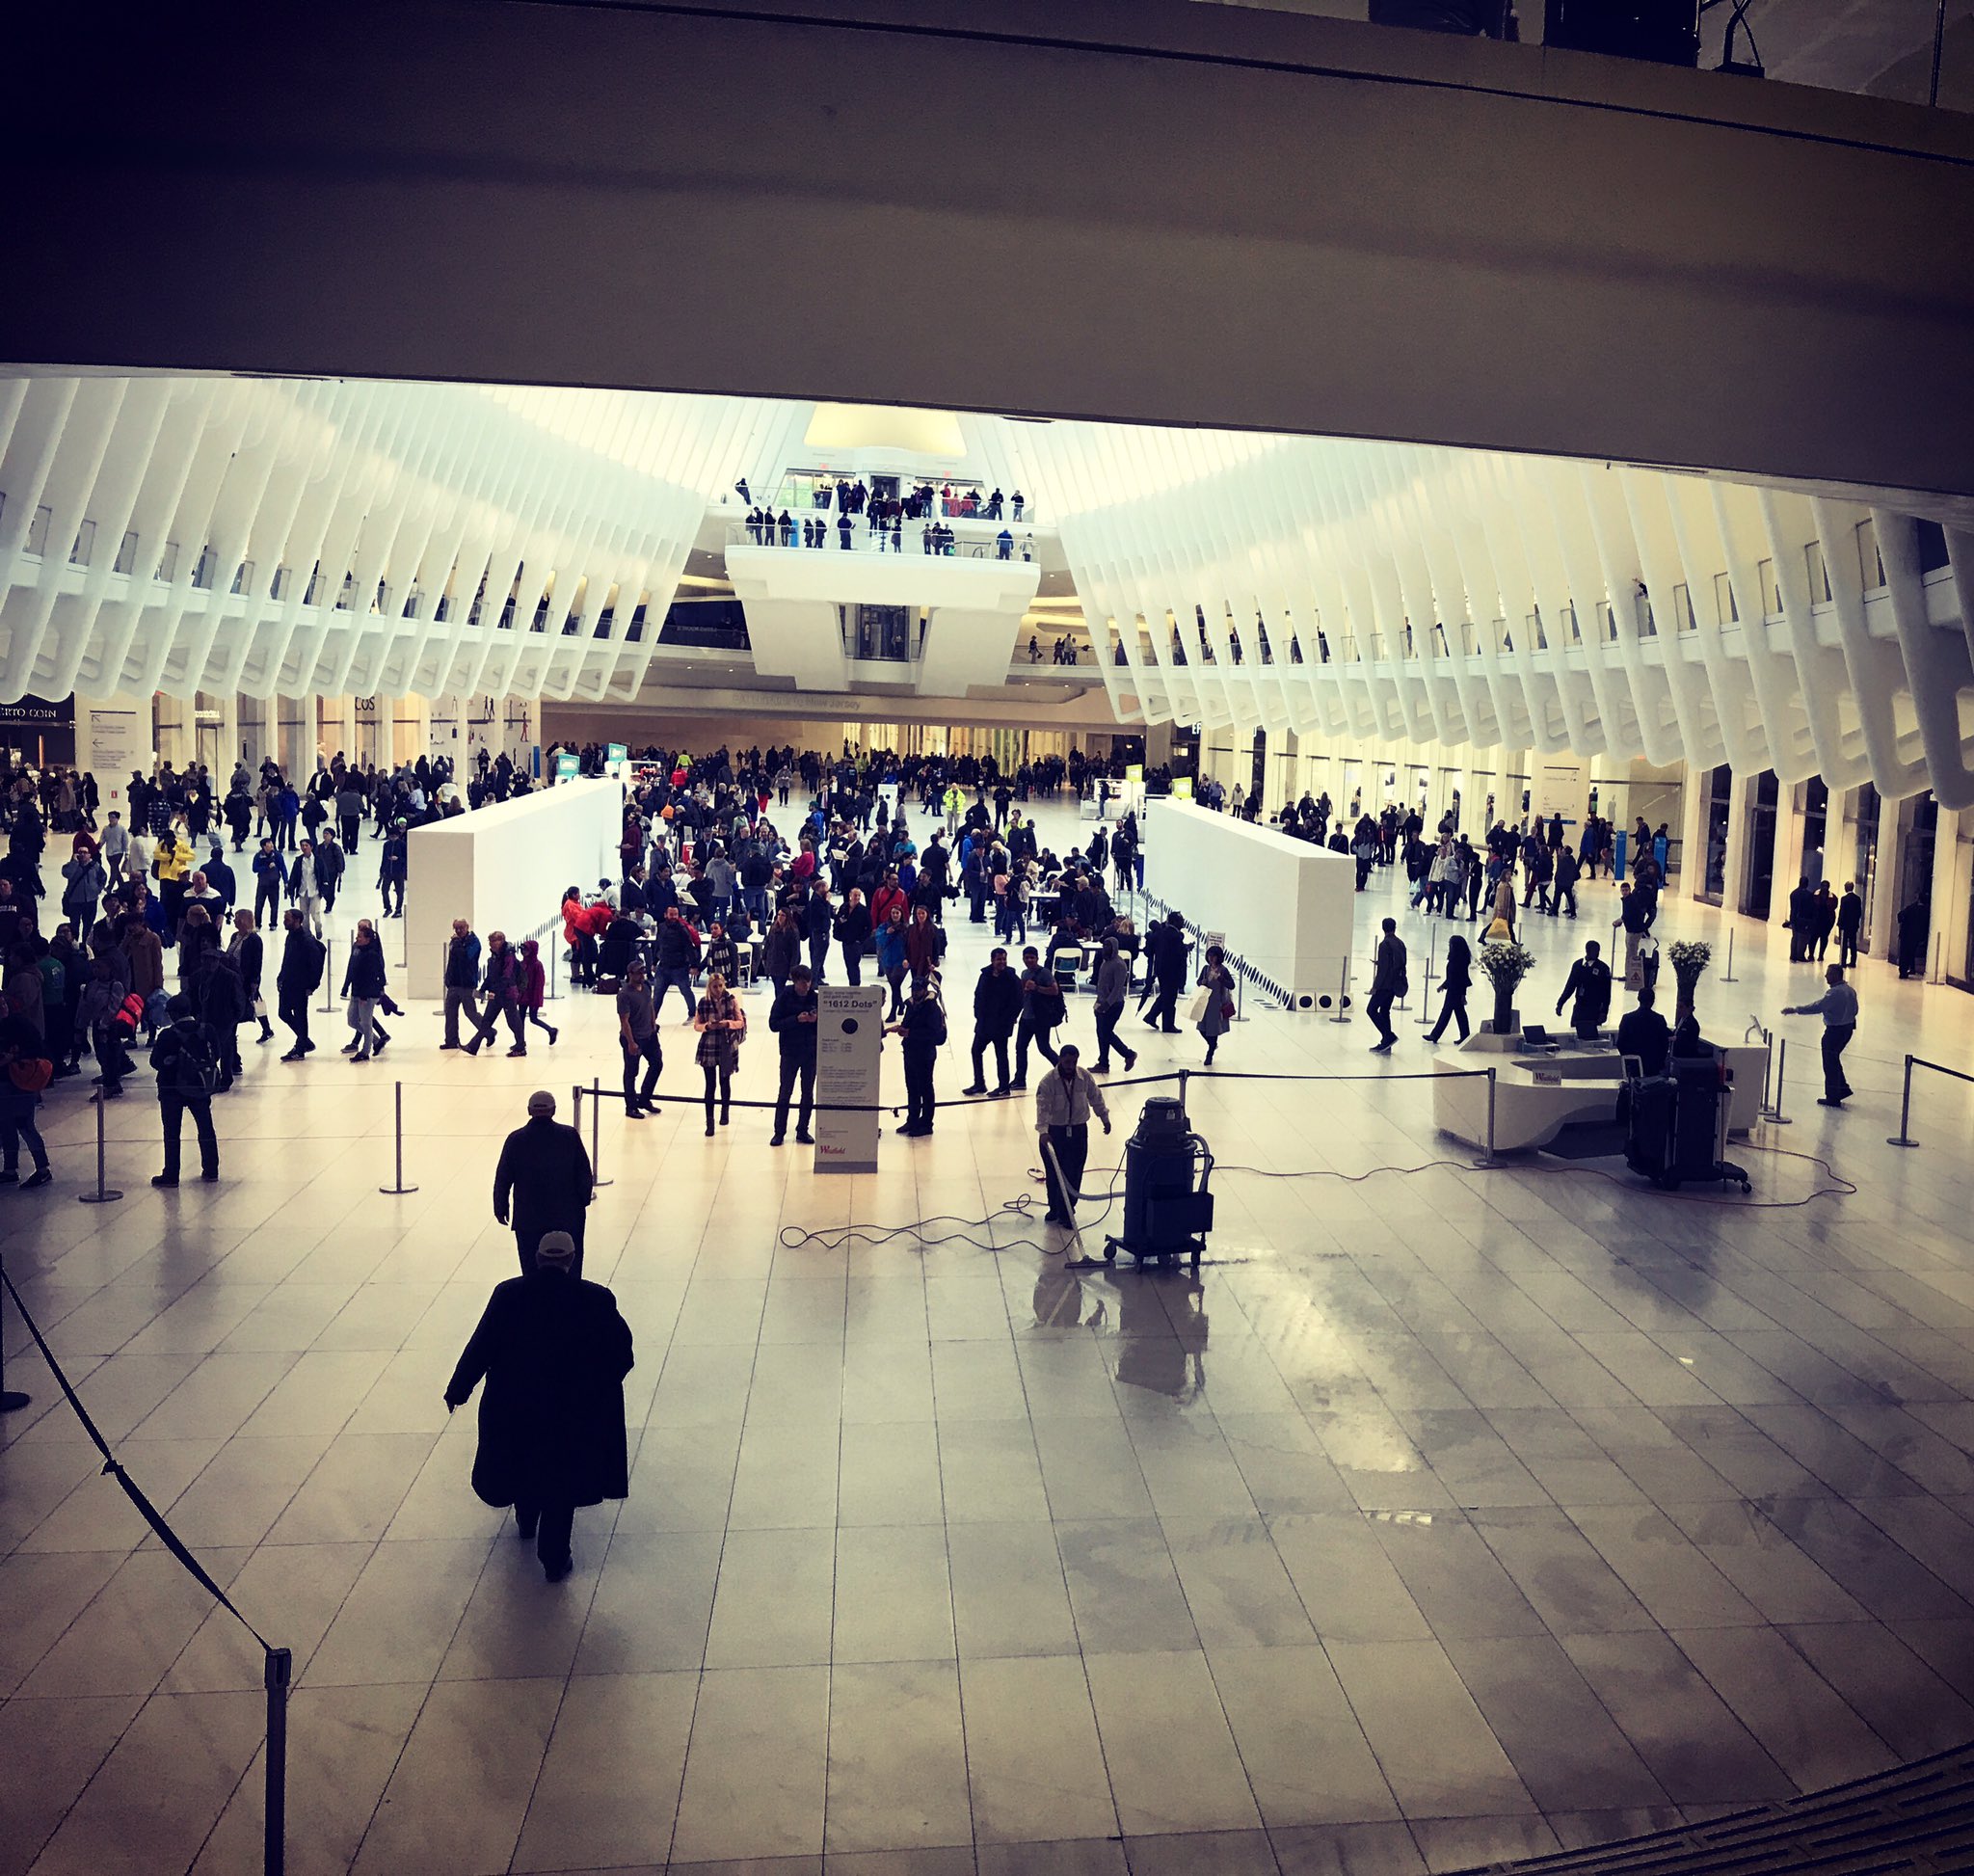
(1442, 1516)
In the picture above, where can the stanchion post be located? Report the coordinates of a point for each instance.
(12, 1399)
(398, 1134)
(1727, 975)
(596, 1092)
(1768, 1107)
(1904, 1136)
(104, 1194)
(1425, 989)
(1777, 1118)
(1491, 1076)
(327, 973)
(277, 1672)
(1342, 992)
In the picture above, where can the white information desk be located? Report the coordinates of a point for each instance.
(1538, 1095)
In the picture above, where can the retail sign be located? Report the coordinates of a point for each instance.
(1182, 788)
(33, 713)
(616, 753)
(564, 768)
(849, 1033)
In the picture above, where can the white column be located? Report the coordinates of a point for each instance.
(1740, 822)
(1884, 904)
(1789, 829)
(1947, 940)
(1694, 801)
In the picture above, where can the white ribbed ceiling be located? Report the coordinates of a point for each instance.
(265, 536)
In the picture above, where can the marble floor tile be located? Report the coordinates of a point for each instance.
(898, 1761)
(1433, 1745)
(597, 1802)
(1146, 1703)
(1009, 1593)
(459, 1794)
(757, 1766)
(157, 1794)
(893, 1596)
(1306, 1757)
(774, 1601)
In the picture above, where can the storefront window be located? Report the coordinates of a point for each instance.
(1866, 871)
(1761, 846)
(1719, 797)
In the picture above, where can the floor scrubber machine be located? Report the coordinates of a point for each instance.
(1168, 1208)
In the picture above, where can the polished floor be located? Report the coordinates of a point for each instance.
(1447, 1515)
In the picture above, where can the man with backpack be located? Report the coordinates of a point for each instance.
(295, 981)
(186, 1063)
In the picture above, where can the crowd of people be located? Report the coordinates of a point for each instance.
(204, 918)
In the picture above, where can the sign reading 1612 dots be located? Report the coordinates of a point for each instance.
(849, 1027)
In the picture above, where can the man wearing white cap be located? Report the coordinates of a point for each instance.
(542, 1181)
(553, 1353)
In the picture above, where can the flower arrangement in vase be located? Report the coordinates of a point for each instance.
(1689, 956)
(1506, 963)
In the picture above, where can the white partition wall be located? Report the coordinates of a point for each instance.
(506, 868)
(1284, 905)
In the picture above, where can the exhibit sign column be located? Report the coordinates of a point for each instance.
(850, 1029)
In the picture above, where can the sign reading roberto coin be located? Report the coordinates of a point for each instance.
(849, 1032)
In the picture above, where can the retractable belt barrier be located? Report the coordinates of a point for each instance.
(277, 1663)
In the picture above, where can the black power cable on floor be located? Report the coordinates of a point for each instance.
(1838, 1188)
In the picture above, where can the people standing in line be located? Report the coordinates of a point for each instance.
(542, 1181)
(1850, 925)
(852, 932)
(922, 1032)
(722, 1026)
(460, 980)
(893, 963)
(500, 985)
(530, 988)
(25, 1070)
(1042, 1009)
(818, 926)
(364, 988)
(781, 949)
(1113, 987)
(553, 1352)
(1065, 1098)
(1166, 951)
(1388, 983)
(1589, 983)
(1838, 1007)
(1566, 870)
(637, 1033)
(295, 981)
(793, 1020)
(997, 1010)
(185, 1059)
(1454, 988)
(1217, 1012)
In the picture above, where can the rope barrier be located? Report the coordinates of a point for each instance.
(277, 1663)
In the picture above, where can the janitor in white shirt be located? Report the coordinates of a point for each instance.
(1064, 1099)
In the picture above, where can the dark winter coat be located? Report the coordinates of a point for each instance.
(553, 1353)
(545, 1172)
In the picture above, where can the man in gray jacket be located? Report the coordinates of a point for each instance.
(1838, 1007)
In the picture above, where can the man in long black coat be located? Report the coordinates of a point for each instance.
(553, 1353)
(542, 1181)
